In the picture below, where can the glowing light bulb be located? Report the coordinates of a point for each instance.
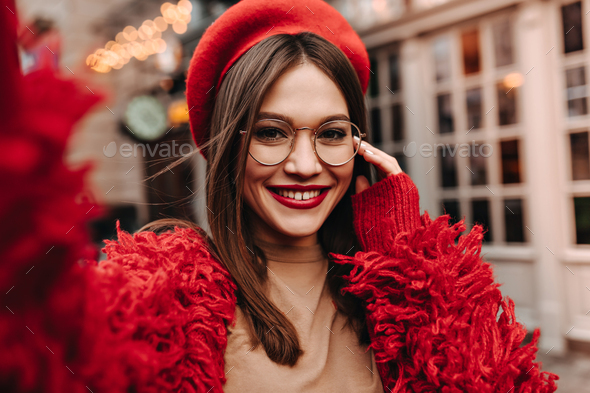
(164, 7)
(134, 48)
(161, 45)
(186, 18)
(184, 6)
(171, 15)
(179, 27)
(157, 34)
(160, 24)
(91, 60)
(120, 38)
(101, 67)
(130, 33)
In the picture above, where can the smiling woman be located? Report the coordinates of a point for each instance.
(302, 80)
(270, 300)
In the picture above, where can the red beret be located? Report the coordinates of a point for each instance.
(244, 25)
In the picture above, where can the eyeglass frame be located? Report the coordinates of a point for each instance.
(361, 136)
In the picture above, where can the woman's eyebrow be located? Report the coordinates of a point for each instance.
(289, 119)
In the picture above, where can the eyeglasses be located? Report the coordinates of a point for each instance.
(333, 142)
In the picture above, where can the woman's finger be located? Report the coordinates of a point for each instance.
(384, 167)
(386, 164)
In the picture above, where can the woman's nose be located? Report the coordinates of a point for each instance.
(303, 161)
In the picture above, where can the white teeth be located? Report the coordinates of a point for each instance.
(298, 195)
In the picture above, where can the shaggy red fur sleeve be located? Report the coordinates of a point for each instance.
(168, 302)
(437, 320)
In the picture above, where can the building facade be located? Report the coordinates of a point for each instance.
(485, 105)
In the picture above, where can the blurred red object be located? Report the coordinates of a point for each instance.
(44, 235)
(41, 45)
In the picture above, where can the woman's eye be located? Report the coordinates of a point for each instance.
(332, 134)
(270, 134)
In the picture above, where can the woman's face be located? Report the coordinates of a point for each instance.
(307, 96)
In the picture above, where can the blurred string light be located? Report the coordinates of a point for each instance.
(143, 41)
(178, 112)
(513, 79)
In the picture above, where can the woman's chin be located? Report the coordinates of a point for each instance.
(298, 227)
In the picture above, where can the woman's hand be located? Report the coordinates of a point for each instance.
(386, 165)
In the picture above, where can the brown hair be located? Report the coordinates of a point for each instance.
(237, 103)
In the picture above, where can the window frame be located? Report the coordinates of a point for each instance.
(490, 131)
(571, 124)
(386, 99)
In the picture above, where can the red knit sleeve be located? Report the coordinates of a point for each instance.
(436, 318)
(394, 198)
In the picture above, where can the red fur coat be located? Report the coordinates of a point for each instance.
(153, 316)
(431, 304)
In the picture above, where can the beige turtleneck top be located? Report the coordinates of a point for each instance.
(332, 360)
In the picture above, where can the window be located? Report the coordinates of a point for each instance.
(398, 122)
(503, 51)
(478, 89)
(580, 158)
(582, 214)
(510, 161)
(376, 125)
(452, 208)
(513, 222)
(506, 104)
(571, 16)
(470, 46)
(480, 211)
(478, 166)
(575, 79)
(473, 98)
(442, 58)
(384, 106)
(445, 113)
(448, 166)
(394, 78)
(374, 80)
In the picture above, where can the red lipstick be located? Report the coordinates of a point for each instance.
(296, 204)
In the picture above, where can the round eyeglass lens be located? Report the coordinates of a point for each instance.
(334, 142)
(271, 141)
